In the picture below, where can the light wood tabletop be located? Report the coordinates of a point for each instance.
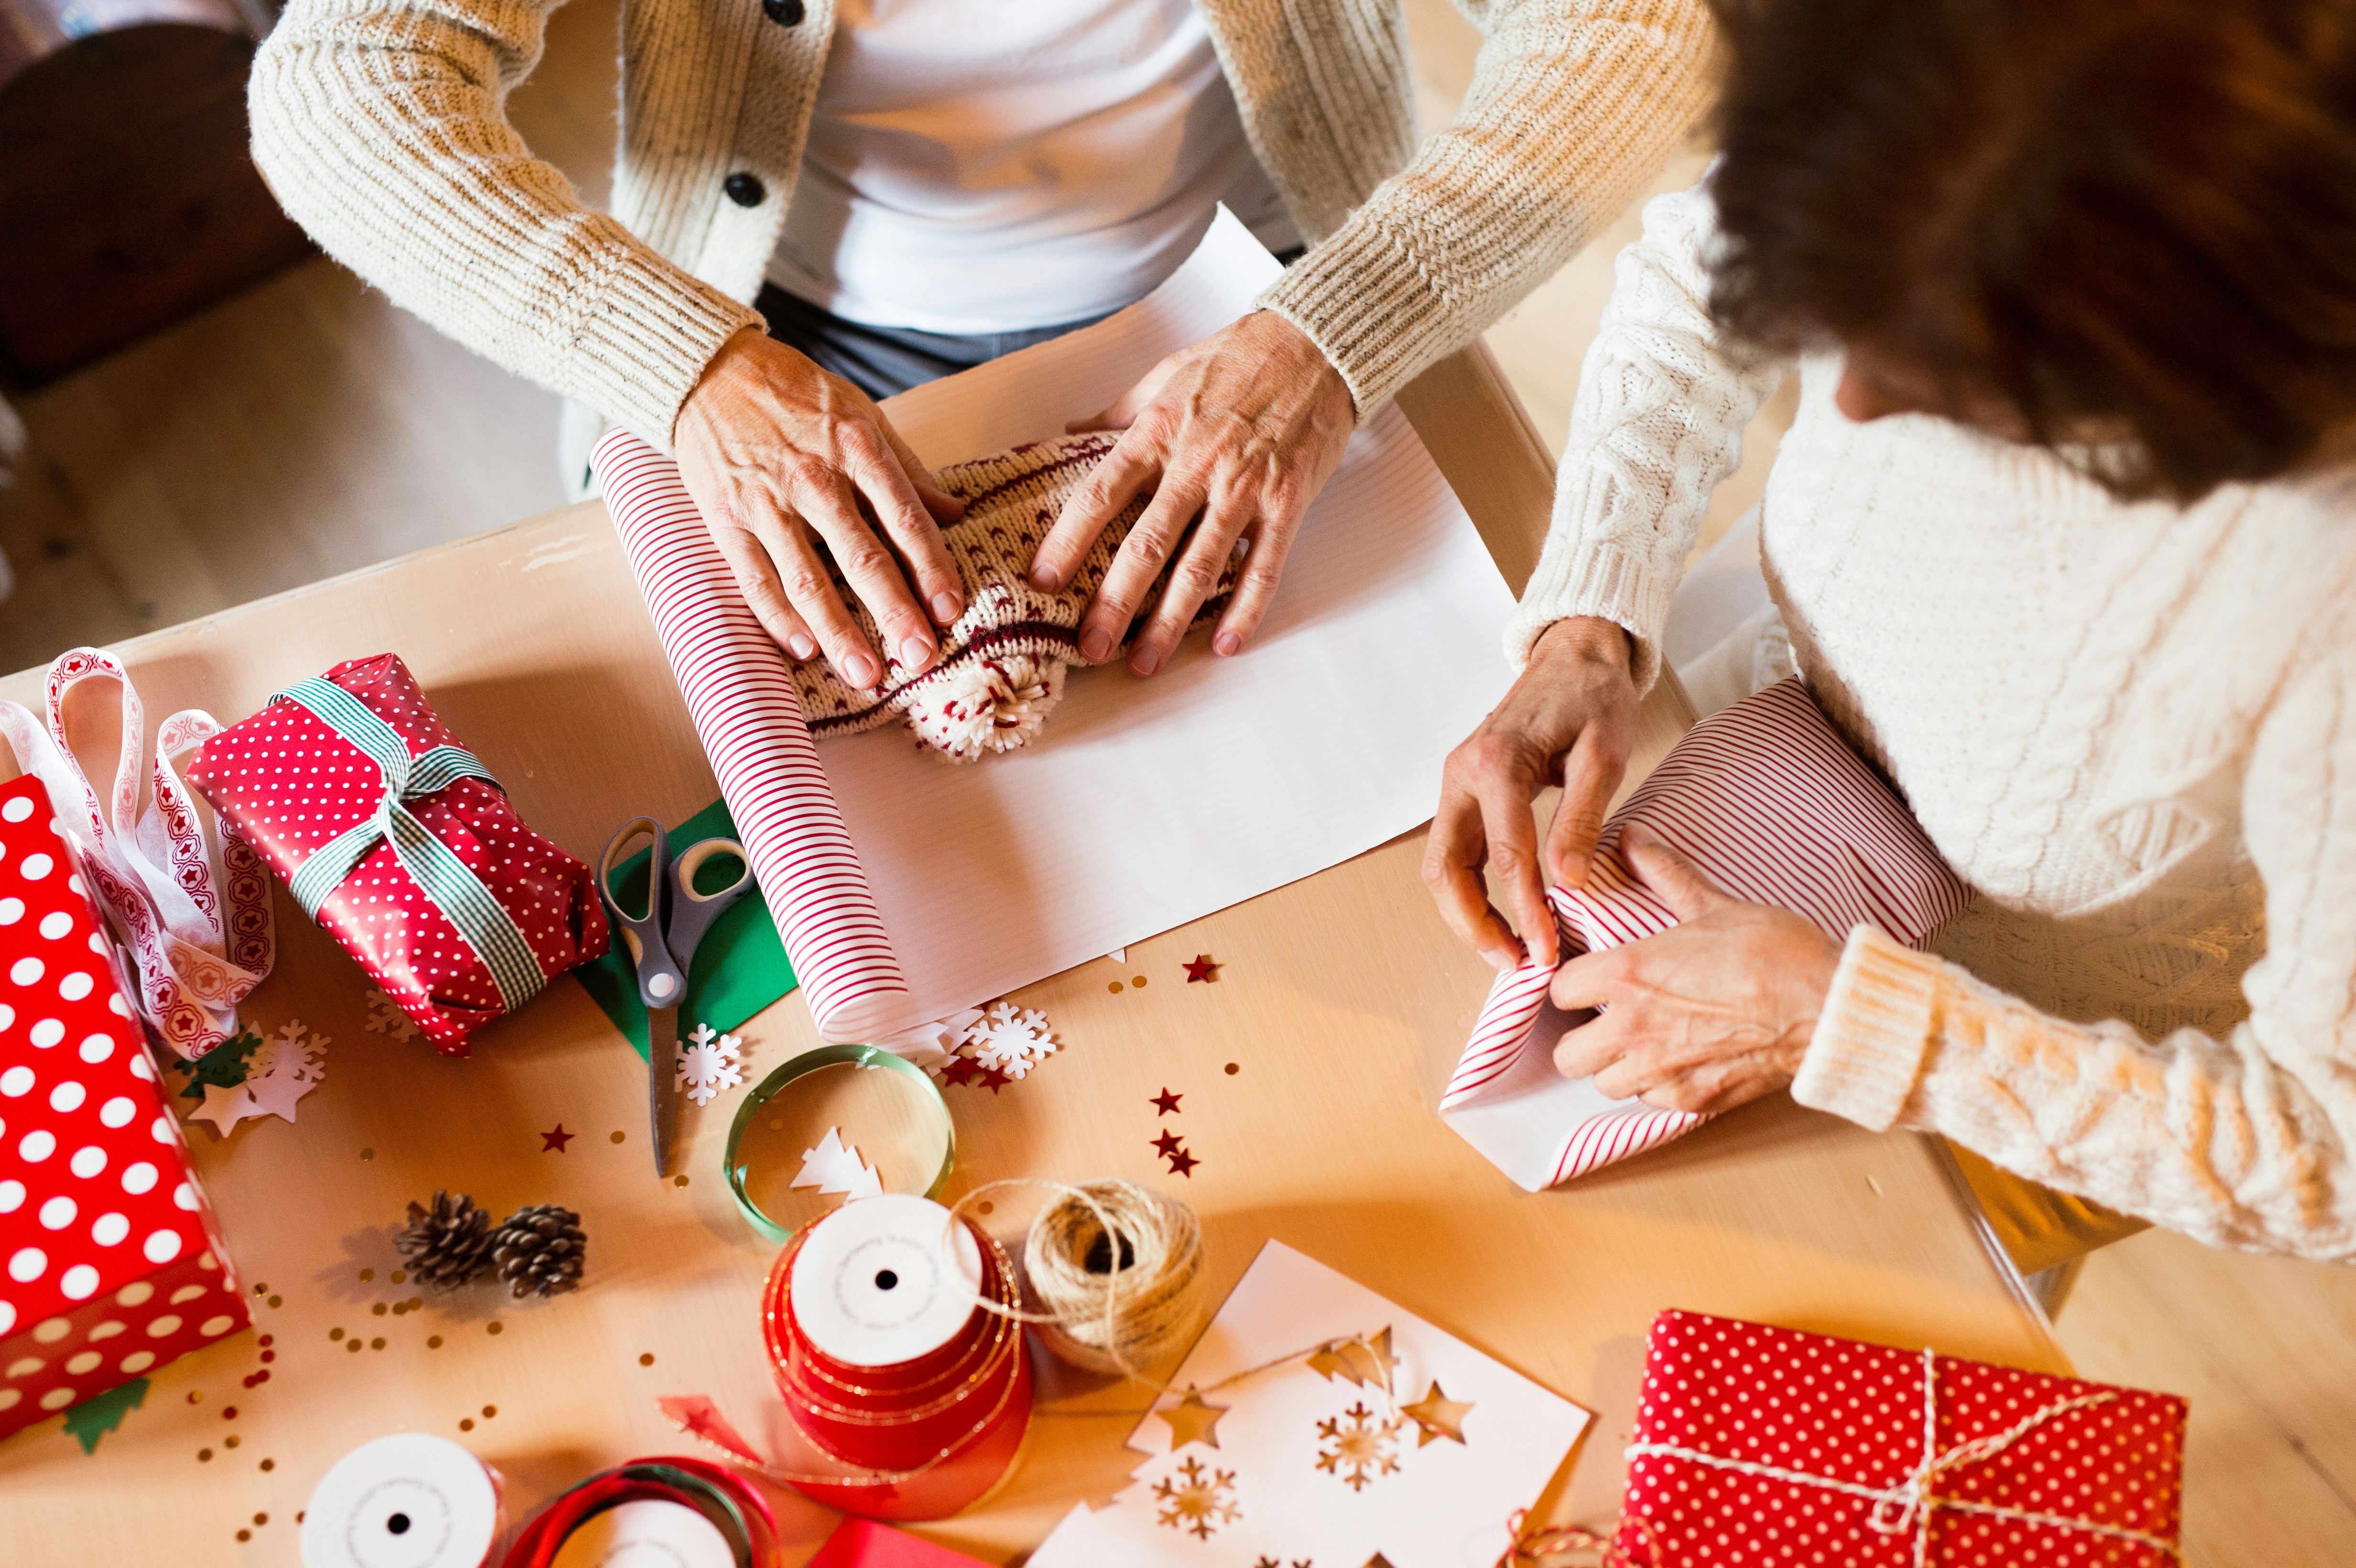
(1309, 1071)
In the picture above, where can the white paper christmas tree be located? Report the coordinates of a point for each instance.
(835, 1167)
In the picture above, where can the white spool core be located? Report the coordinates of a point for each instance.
(647, 1532)
(874, 1284)
(404, 1501)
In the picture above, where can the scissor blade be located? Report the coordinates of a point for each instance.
(662, 1082)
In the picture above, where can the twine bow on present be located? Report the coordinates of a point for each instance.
(456, 890)
(1907, 1506)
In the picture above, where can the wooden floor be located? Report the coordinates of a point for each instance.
(308, 428)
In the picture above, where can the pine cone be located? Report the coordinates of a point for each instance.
(448, 1245)
(538, 1250)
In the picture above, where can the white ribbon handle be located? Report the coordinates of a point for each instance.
(197, 919)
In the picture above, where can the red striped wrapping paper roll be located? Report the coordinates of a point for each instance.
(740, 692)
(1770, 801)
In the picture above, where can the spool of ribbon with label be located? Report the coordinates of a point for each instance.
(668, 1512)
(407, 1500)
(740, 692)
(908, 1396)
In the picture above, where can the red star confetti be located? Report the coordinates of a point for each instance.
(1201, 968)
(1166, 1102)
(960, 1070)
(1167, 1143)
(994, 1079)
(1183, 1164)
(557, 1139)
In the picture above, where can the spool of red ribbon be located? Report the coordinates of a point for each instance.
(739, 1520)
(893, 1375)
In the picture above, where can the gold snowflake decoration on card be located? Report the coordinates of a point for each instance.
(1356, 1448)
(1199, 1504)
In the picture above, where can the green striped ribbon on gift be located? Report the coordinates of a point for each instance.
(456, 892)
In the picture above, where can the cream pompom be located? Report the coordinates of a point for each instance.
(983, 706)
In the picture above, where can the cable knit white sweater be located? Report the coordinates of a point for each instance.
(2132, 728)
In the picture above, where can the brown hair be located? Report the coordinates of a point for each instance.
(2129, 220)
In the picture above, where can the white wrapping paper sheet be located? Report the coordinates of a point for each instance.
(1149, 804)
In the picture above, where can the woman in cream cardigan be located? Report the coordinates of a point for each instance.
(910, 186)
(2064, 540)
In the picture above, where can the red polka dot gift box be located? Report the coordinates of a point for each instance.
(398, 841)
(1762, 1447)
(110, 1261)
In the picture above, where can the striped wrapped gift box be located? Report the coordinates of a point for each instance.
(1769, 800)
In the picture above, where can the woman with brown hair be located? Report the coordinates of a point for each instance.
(2063, 540)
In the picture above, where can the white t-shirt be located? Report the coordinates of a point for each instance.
(996, 166)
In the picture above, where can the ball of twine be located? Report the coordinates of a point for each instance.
(1117, 1301)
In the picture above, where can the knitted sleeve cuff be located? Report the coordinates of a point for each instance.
(641, 338)
(1371, 307)
(1596, 580)
(1876, 1029)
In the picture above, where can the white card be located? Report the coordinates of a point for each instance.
(1311, 1467)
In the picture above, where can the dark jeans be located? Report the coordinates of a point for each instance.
(882, 360)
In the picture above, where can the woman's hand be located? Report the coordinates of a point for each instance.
(775, 449)
(1569, 719)
(1714, 1011)
(1239, 431)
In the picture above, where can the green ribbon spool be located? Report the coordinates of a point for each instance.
(802, 1066)
(456, 892)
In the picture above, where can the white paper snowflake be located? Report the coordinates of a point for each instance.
(289, 1064)
(1011, 1039)
(709, 1065)
(385, 1017)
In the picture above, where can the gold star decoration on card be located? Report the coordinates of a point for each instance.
(1436, 1416)
(1192, 1420)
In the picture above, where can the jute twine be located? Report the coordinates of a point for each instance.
(1144, 1296)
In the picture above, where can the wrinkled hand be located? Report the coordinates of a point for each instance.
(773, 449)
(1569, 719)
(1240, 431)
(1714, 1011)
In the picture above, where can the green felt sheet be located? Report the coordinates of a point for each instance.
(739, 968)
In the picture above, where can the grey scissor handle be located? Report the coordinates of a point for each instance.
(691, 912)
(661, 975)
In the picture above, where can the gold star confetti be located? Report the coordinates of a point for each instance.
(1436, 1416)
(1192, 1420)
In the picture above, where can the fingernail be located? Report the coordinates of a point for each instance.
(800, 646)
(1145, 662)
(859, 670)
(947, 607)
(917, 651)
(1094, 644)
(1046, 579)
(1227, 644)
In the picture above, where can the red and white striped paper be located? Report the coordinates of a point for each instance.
(740, 692)
(1768, 800)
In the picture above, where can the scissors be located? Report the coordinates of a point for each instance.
(662, 943)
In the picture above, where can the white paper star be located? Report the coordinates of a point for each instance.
(224, 1108)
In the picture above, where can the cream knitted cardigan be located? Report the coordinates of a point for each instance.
(2132, 728)
(382, 126)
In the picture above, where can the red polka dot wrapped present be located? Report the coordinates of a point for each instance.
(402, 844)
(1763, 1447)
(110, 1261)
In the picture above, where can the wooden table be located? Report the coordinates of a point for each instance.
(1342, 1003)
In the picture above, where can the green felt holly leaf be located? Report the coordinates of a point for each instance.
(225, 1064)
(94, 1417)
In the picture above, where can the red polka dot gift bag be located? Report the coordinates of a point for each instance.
(1763, 1447)
(109, 1262)
(402, 845)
